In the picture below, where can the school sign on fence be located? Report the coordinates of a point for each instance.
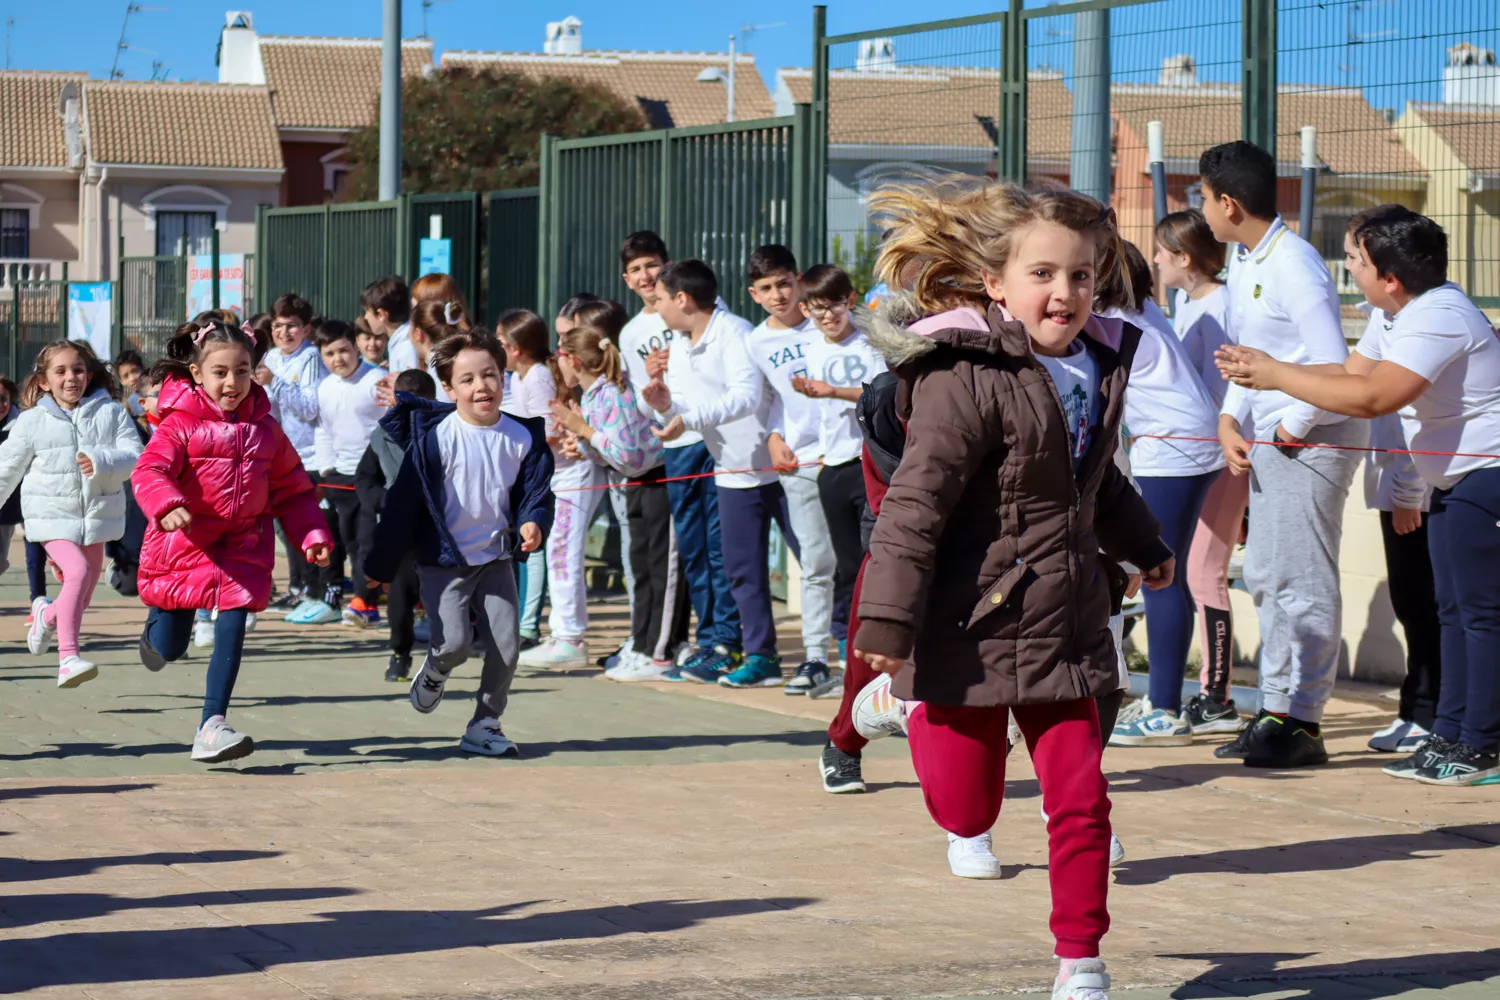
(200, 284)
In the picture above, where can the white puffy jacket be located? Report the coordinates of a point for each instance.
(41, 456)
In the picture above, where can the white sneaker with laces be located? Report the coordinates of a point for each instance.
(40, 635)
(640, 669)
(556, 653)
(1400, 736)
(203, 633)
(484, 737)
(250, 622)
(1116, 852)
(877, 713)
(972, 857)
(74, 670)
(427, 687)
(1081, 979)
(216, 742)
(621, 661)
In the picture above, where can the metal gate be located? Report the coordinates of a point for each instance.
(712, 192)
(153, 302)
(328, 253)
(511, 251)
(458, 216)
(32, 315)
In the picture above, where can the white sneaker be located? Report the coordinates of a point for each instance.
(972, 857)
(74, 671)
(1399, 737)
(484, 737)
(878, 713)
(1086, 980)
(620, 661)
(642, 668)
(40, 635)
(427, 687)
(556, 653)
(216, 742)
(203, 633)
(1116, 852)
(250, 622)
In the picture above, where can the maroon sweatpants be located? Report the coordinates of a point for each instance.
(857, 673)
(959, 755)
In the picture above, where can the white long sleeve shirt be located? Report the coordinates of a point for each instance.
(347, 415)
(1283, 301)
(294, 395)
(781, 354)
(400, 352)
(719, 392)
(644, 334)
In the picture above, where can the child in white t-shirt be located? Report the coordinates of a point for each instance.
(840, 363)
(779, 347)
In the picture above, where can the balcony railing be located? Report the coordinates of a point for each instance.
(14, 271)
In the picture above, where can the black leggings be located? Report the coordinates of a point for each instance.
(841, 489)
(343, 515)
(659, 618)
(401, 606)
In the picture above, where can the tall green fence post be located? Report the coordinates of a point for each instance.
(801, 194)
(817, 208)
(1011, 151)
(546, 214)
(1258, 124)
(327, 279)
(15, 326)
(119, 297)
(213, 244)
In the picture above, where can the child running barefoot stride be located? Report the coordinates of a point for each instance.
(985, 592)
(70, 453)
(472, 481)
(217, 470)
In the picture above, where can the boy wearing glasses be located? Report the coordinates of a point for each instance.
(840, 364)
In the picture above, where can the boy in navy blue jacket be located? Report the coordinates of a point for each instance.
(474, 488)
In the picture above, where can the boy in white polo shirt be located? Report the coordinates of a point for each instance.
(1439, 365)
(712, 386)
(779, 347)
(1282, 300)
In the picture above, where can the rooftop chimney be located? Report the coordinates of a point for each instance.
(564, 38)
(1471, 76)
(239, 50)
(1179, 71)
(876, 54)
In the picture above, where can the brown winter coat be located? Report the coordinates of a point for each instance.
(985, 564)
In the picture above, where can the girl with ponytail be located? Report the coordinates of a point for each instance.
(215, 474)
(611, 431)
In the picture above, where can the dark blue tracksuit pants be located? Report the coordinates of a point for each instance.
(1175, 502)
(1465, 544)
(747, 515)
(695, 514)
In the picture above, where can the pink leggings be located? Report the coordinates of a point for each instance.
(959, 756)
(1214, 540)
(80, 565)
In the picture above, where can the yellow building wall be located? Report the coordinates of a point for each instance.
(1471, 219)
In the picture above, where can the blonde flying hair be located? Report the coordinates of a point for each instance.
(941, 236)
(595, 350)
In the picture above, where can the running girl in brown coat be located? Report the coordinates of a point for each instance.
(986, 591)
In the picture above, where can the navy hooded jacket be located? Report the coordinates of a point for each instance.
(412, 518)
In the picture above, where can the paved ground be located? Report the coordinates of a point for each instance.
(662, 843)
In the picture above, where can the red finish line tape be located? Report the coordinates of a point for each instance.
(1330, 447)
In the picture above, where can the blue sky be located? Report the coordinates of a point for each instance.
(1397, 54)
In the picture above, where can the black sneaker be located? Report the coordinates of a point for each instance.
(1461, 765)
(813, 673)
(288, 601)
(1287, 743)
(841, 771)
(1251, 733)
(399, 668)
(1205, 715)
(1432, 750)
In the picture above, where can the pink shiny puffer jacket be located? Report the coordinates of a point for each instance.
(234, 472)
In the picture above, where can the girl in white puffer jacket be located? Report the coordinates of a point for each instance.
(71, 453)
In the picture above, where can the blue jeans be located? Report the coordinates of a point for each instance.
(1175, 502)
(695, 512)
(747, 517)
(1465, 545)
(169, 633)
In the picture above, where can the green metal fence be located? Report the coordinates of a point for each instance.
(151, 302)
(458, 221)
(712, 192)
(32, 314)
(328, 253)
(511, 251)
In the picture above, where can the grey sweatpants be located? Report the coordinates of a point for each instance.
(490, 590)
(1292, 565)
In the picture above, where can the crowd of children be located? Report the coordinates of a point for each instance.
(975, 472)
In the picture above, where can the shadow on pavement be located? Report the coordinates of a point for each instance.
(46, 908)
(14, 794)
(1339, 854)
(22, 870)
(1257, 974)
(85, 957)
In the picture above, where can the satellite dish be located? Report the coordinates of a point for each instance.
(68, 93)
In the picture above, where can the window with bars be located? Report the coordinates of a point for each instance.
(184, 232)
(15, 232)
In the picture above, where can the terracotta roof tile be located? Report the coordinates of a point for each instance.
(665, 84)
(331, 83)
(33, 132)
(1473, 133)
(181, 124)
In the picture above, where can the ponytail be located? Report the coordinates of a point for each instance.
(595, 351)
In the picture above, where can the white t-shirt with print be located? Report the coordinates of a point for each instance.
(1443, 337)
(781, 354)
(644, 334)
(480, 464)
(849, 364)
(1076, 377)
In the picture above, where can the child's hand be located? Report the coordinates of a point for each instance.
(812, 388)
(1160, 577)
(783, 458)
(1404, 522)
(317, 553)
(656, 363)
(881, 663)
(531, 537)
(1236, 449)
(657, 395)
(263, 375)
(86, 464)
(176, 519)
(1248, 367)
(567, 415)
(675, 429)
(1132, 585)
(385, 391)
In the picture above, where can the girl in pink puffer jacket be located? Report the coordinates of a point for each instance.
(216, 472)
